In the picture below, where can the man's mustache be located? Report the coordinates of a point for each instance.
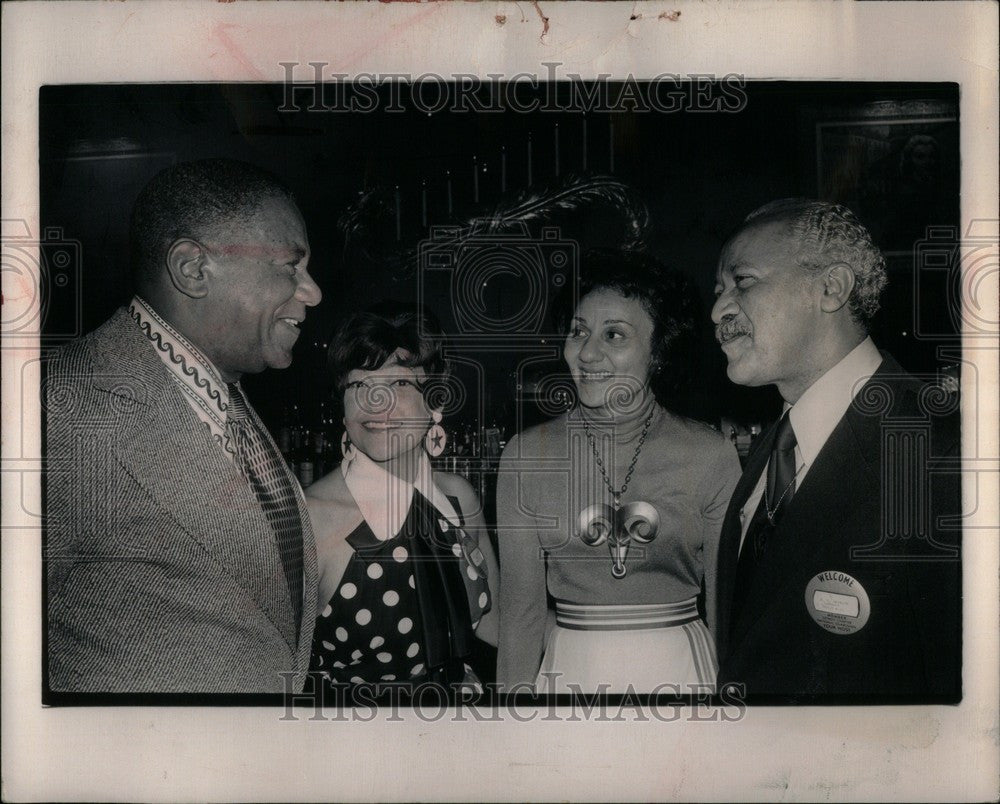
(732, 328)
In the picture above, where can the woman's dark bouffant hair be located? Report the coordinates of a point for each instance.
(668, 296)
(367, 339)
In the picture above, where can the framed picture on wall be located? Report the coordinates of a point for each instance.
(895, 163)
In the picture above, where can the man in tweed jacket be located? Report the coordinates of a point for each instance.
(163, 570)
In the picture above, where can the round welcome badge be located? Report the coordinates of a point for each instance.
(838, 602)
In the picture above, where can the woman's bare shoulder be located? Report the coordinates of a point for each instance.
(455, 486)
(461, 489)
(332, 509)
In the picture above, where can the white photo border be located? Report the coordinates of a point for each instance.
(223, 753)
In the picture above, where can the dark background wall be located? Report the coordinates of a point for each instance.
(698, 173)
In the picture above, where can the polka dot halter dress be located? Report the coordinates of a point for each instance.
(430, 577)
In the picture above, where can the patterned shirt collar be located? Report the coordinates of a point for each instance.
(196, 377)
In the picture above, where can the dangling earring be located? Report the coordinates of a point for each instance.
(346, 447)
(436, 438)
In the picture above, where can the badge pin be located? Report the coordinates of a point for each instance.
(837, 602)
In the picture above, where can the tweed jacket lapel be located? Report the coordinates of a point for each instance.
(169, 452)
(310, 585)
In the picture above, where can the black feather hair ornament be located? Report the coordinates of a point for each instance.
(370, 231)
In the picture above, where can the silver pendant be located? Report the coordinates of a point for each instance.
(619, 526)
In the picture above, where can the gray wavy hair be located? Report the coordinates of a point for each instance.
(831, 233)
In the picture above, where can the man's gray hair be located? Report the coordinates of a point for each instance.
(830, 233)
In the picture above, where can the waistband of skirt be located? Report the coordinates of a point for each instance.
(581, 617)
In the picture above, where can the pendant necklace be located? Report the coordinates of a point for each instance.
(618, 525)
(617, 495)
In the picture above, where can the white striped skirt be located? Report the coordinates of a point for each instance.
(662, 648)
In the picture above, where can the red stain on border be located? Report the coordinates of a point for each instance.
(234, 50)
(387, 36)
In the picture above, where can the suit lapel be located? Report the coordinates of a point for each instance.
(732, 531)
(835, 493)
(171, 454)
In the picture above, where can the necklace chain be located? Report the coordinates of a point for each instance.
(773, 512)
(616, 495)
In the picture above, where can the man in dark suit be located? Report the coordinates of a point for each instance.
(179, 553)
(839, 571)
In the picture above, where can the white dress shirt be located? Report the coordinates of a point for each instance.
(817, 412)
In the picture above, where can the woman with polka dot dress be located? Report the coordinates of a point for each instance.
(405, 560)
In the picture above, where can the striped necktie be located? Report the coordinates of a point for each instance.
(267, 475)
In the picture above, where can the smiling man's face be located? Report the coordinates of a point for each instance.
(260, 289)
(767, 311)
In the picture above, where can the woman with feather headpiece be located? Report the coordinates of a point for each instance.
(614, 508)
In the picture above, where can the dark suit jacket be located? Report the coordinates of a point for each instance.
(163, 571)
(870, 506)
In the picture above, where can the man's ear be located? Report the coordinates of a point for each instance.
(837, 287)
(186, 265)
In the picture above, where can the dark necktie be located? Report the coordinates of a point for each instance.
(777, 494)
(781, 470)
(268, 477)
